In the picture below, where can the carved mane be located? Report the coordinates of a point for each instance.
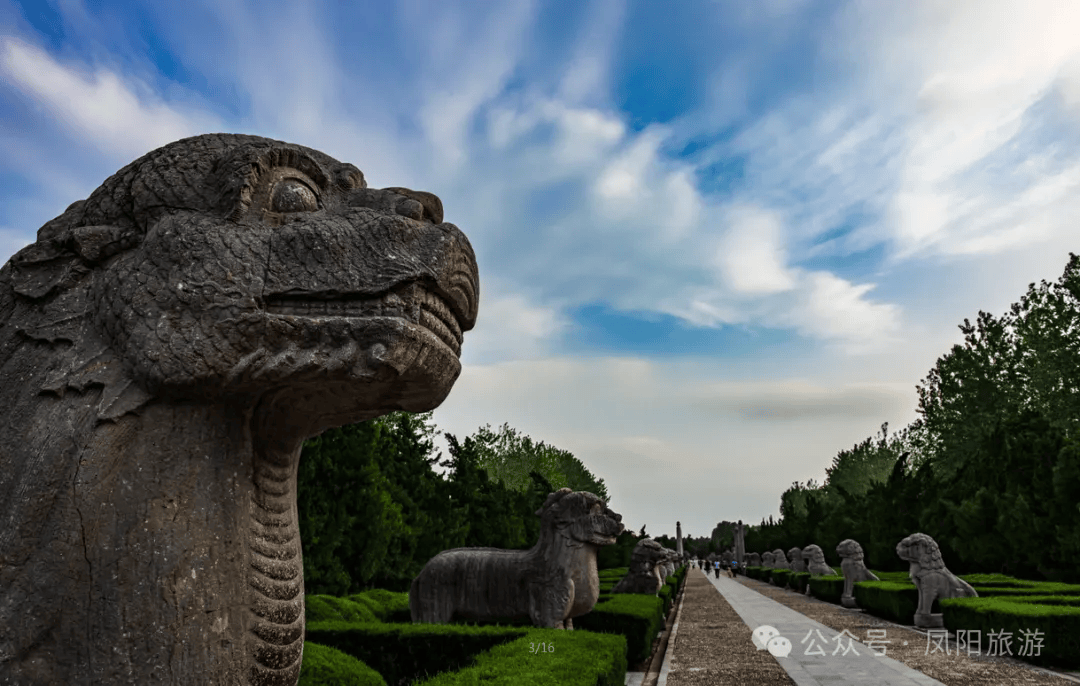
(157, 381)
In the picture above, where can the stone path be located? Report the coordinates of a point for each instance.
(819, 655)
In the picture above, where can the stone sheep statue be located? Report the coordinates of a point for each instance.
(798, 564)
(930, 576)
(550, 584)
(767, 559)
(780, 560)
(854, 569)
(816, 565)
(166, 346)
(643, 576)
(753, 560)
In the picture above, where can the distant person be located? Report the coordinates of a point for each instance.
(716, 568)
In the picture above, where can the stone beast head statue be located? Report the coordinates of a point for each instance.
(815, 558)
(643, 576)
(166, 346)
(853, 567)
(798, 564)
(551, 583)
(930, 576)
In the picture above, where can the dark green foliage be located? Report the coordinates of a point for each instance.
(992, 468)
(496, 516)
(618, 555)
(509, 458)
(367, 498)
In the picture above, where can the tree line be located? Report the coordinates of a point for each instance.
(990, 469)
(373, 510)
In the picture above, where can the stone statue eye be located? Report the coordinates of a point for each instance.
(293, 195)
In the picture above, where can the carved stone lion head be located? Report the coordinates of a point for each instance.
(850, 549)
(814, 553)
(922, 550)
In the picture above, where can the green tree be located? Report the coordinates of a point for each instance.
(865, 464)
(493, 512)
(509, 458)
(347, 514)
(1047, 325)
(969, 390)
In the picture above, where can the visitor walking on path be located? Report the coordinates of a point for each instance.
(717, 568)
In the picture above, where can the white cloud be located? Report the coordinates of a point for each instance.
(752, 255)
(585, 75)
(511, 328)
(100, 108)
(833, 308)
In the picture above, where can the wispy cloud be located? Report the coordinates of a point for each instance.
(860, 178)
(98, 107)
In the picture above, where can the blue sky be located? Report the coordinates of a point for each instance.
(718, 241)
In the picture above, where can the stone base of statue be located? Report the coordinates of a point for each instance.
(924, 620)
(848, 601)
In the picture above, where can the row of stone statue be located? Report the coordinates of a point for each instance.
(927, 571)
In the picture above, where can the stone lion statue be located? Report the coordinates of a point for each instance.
(549, 584)
(767, 559)
(780, 560)
(753, 560)
(854, 569)
(816, 565)
(643, 576)
(798, 564)
(930, 576)
(166, 346)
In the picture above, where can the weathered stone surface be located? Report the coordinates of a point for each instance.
(767, 559)
(814, 557)
(798, 564)
(643, 576)
(667, 567)
(853, 568)
(753, 560)
(739, 532)
(930, 576)
(780, 560)
(678, 537)
(549, 584)
(166, 346)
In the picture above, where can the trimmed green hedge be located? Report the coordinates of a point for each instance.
(325, 666)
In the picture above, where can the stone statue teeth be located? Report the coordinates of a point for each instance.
(159, 372)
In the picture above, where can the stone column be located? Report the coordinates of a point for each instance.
(678, 538)
(740, 542)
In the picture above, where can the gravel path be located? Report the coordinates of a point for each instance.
(713, 645)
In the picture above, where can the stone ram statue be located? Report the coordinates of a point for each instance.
(816, 565)
(930, 576)
(780, 560)
(166, 346)
(767, 559)
(798, 564)
(753, 560)
(643, 576)
(854, 569)
(549, 584)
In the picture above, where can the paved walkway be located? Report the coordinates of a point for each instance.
(814, 669)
